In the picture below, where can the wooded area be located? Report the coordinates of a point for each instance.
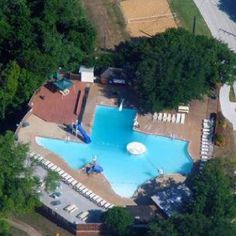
(36, 37)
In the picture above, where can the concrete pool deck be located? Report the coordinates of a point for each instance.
(190, 131)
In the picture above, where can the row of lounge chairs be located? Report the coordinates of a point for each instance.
(178, 118)
(70, 208)
(207, 131)
(68, 179)
(83, 216)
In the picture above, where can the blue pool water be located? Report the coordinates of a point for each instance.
(112, 131)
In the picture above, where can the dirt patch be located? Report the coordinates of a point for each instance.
(108, 21)
(147, 17)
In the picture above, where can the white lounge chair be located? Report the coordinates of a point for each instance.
(53, 167)
(107, 205)
(32, 154)
(85, 190)
(92, 195)
(111, 206)
(87, 194)
(77, 186)
(36, 156)
(168, 119)
(83, 215)
(205, 139)
(102, 203)
(73, 209)
(45, 162)
(64, 175)
(164, 117)
(95, 197)
(70, 180)
(204, 153)
(178, 116)
(81, 188)
(69, 207)
(159, 117)
(50, 165)
(58, 169)
(173, 119)
(204, 157)
(61, 172)
(67, 178)
(40, 158)
(182, 118)
(98, 200)
(73, 183)
(155, 116)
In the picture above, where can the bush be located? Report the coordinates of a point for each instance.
(220, 140)
(52, 181)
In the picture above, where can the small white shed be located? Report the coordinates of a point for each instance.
(87, 74)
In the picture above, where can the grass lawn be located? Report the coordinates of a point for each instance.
(232, 96)
(185, 11)
(42, 224)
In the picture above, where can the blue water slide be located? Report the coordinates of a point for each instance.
(85, 136)
(97, 169)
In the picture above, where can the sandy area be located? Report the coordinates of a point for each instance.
(147, 17)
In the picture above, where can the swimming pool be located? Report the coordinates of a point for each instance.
(111, 132)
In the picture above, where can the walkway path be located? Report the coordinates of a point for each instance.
(228, 108)
(220, 16)
(24, 227)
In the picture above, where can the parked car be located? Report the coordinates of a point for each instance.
(56, 203)
(55, 195)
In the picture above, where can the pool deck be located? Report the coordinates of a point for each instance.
(109, 95)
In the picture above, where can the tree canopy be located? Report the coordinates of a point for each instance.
(36, 37)
(17, 185)
(175, 67)
(117, 221)
(211, 211)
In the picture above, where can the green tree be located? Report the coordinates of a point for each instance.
(4, 228)
(212, 209)
(175, 67)
(17, 184)
(52, 181)
(212, 193)
(36, 37)
(117, 221)
(161, 227)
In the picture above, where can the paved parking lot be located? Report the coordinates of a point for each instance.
(70, 196)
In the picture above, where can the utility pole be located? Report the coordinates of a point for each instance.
(194, 24)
